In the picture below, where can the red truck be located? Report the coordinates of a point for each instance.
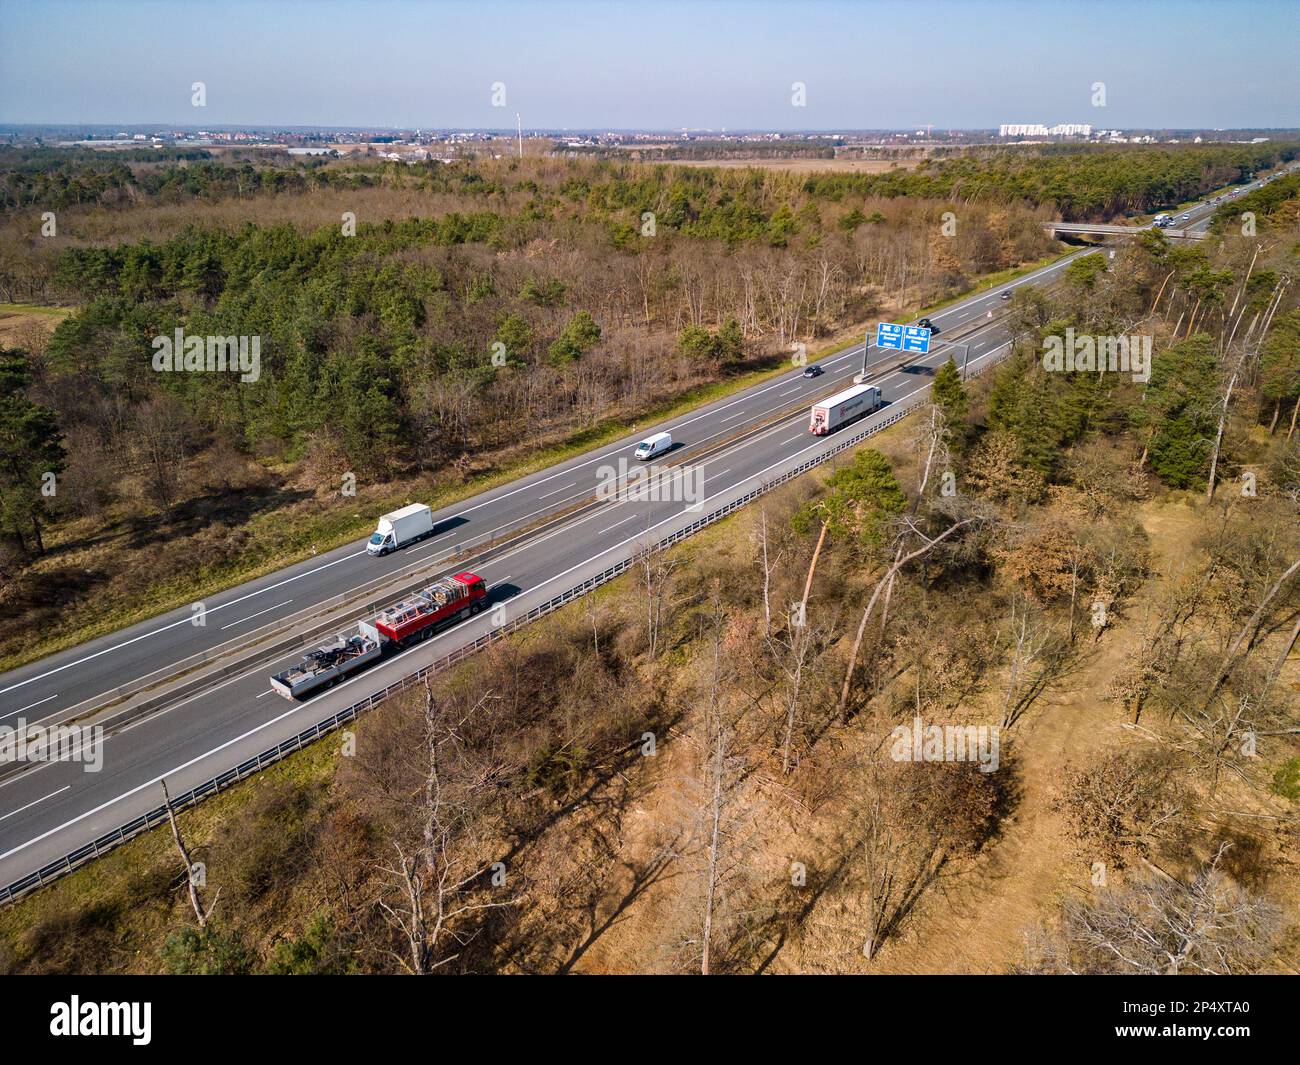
(413, 619)
(416, 616)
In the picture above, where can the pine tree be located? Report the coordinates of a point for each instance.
(862, 497)
(950, 396)
(31, 450)
(1182, 396)
(1279, 364)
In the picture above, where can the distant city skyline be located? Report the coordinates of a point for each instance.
(657, 65)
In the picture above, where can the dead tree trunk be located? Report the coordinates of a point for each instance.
(871, 605)
(201, 915)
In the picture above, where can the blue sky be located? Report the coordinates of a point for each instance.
(654, 64)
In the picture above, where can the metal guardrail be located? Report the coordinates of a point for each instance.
(271, 755)
(389, 587)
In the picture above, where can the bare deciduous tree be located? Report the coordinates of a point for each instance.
(435, 875)
(899, 563)
(1118, 805)
(201, 915)
(1162, 926)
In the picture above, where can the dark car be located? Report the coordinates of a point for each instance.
(813, 371)
(1006, 295)
(925, 323)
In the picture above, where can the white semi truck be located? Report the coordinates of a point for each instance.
(843, 407)
(400, 528)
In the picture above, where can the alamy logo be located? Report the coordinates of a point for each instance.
(1098, 354)
(947, 743)
(212, 354)
(658, 484)
(53, 743)
(103, 1018)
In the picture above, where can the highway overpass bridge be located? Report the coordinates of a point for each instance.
(1099, 230)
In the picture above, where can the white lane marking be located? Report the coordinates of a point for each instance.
(257, 615)
(29, 706)
(417, 550)
(269, 691)
(524, 547)
(733, 417)
(207, 754)
(41, 799)
(616, 525)
(183, 621)
(559, 490)
(295, 709)
(604, 453)
(791, 392)
(532, 544)
(721, 472)
(258, 669)
(600, 456)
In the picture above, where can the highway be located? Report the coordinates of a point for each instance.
(41, 690)
(52, 808)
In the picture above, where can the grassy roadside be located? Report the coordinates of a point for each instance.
(32, 308)
(142, 872)
(309, 535)
(988, 281)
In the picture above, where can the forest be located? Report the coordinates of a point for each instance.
(418, 326)
(421, 326)
(697, 769)
(1081, 183)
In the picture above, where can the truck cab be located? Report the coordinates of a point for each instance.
(401, 527)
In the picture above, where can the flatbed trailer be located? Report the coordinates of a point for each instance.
(415, 618)
(327, 665)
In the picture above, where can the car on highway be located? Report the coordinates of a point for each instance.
(925, 323)
(1005, 295)
(1184, 217)
(813, 371)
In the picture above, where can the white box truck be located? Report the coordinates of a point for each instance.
(399, 528)
(831, 413)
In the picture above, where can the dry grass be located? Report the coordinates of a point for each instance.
(29, 328)
(973, 920)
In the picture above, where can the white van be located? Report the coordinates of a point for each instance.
(654, 445)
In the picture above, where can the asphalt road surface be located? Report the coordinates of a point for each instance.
(49, 810)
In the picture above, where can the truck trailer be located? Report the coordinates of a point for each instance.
(345, 654)
(415, 618)
(400, 528)
(841, 408)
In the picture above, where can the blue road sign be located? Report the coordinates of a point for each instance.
(903, 337)
(889, 335)
(916, 338)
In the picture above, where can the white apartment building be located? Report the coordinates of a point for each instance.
(1037, 129)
